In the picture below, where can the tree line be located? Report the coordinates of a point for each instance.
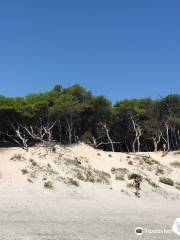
(73, 114)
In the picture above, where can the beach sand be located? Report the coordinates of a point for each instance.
(92, 210)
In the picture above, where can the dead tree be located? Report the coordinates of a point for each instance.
(166, 137)
(156, 140)
(20, 137)
(104, 125)
(43, 134)
(138, 133)
(69, 129)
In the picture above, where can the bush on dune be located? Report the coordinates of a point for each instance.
(175, 164)
(167, 181)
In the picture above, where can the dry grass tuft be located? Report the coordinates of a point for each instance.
(130, 185)
(119, 177)
(24, 171)
(159, 171)
(130, 162)
(48, 184)
(17, 157)
(150, 182)
(175, 164)
(33, 163)
(71, 181)
(149, 160)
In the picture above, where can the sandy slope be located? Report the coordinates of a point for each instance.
(28, 210)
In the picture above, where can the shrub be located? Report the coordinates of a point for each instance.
(98, 154)
(29, 180)
(149, 160)
(72, 181)
(17, 157)
(79, 175)
(53, 149)
(130, 185)
(33, 162)
(119, 177)
(48, 184)
(175, 164)
(134, 175)
(24, 171)
(110, 155)
(167, 181)
(102, 177)
(178, 186)
(89, 176)
(153, 184)
(159, 171)
(94, 175)
(130, 163)
(113, 169)
(119, 170)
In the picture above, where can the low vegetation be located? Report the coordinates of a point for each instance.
(159, 171)
(130, 162)
(24, 171)
(149, 160)
(71, 181)
(29, 180)
(130, 185)
(33, 162)
(119, 177)
(177, 185)
(48, 184)
(17, 157)
(119, 170)
(107, 123)
(175, 164)
(150, 182)
(167, 181)
(94, 175)
(134, 175)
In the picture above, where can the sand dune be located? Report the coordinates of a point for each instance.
(79, 192)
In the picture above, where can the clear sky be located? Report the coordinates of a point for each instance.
(118, 48)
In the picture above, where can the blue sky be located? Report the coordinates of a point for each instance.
(120, 49)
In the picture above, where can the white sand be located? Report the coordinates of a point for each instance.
(90, 211)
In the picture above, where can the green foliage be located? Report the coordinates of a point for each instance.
(167, 181)
(177, 186)
(48, 184)
(79, 115)
(149, 160)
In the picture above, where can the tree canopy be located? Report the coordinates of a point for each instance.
(69, 115)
